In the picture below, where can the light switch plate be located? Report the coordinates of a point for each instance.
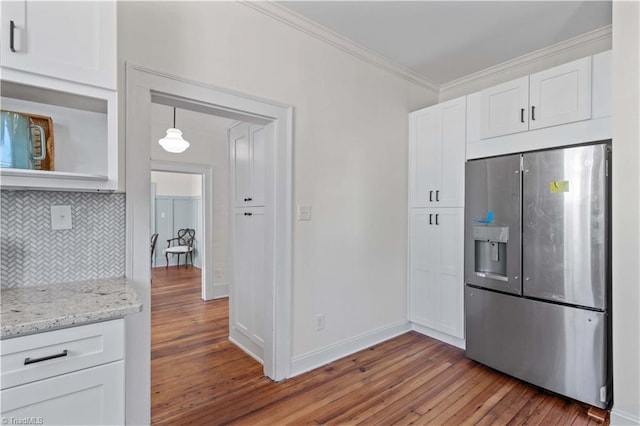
(61, 217)
(304, 212)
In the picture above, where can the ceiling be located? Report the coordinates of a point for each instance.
(445, 40)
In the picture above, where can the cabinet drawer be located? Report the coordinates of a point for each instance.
(38, 356)
(89, 397)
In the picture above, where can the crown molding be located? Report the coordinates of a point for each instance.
(530, 58)
(309, 27)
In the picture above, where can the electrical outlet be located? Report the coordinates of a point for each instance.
(304, 212)
(61, 217)
(320, 322)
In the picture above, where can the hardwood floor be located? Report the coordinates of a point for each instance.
(199, 377)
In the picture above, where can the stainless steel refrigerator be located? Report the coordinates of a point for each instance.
(537, 268)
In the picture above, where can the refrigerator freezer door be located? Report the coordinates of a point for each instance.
(557, 347)
(492, 249)
(565, 226)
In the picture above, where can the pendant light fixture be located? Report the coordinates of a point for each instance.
(173, 141)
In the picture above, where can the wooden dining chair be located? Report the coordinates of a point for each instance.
(182, 244)
(154, 240)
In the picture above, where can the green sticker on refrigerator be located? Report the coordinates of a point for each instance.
(558, 186)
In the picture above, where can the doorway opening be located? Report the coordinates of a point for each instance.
(176, 204)
(146, 88)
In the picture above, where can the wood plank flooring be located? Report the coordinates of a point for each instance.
(199, 377)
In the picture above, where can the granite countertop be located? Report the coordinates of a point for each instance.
(28, 310)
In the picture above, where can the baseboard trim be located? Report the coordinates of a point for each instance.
(312, 360)
(459, 343)
(621, 418)
(220, 290)
(245, 349)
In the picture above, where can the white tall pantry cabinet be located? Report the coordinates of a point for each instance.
(247, 145)
(436, 229)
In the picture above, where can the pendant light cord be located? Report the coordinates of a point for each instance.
(174, 117)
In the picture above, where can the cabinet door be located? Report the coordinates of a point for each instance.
(87, 397)
(448, 248)
(240, 148)
(504, 108)
(73, 41)
(248, 145)
(248, 290)
(436, 269)
(436, 155)
(561, 95)
(450, 179)
(422, 273)
(423, 154)
(258, 138)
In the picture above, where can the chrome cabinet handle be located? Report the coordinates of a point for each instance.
(12, 30)
(437, 214)
(522, 115)
(430, 196)
(248, 214)
(533, 113)
(438, 195)
(28, 361)
(248, 199)
(430, 219)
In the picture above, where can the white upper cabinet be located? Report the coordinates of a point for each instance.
(436, 155)
(248, 154)
(58, 67)
(73, 40)
(555, 96)
(561, 94)
(504, 108)
(565, 105)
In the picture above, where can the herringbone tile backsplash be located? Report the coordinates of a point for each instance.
(34, 254)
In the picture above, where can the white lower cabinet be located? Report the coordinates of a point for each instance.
(247, 304)
(87, 397)
(72, 376)
(436, 271)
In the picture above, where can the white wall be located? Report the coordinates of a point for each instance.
(626, 212)
(180, 184)
(350, 149)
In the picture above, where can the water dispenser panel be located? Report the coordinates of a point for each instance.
(491, 251)
(491, 233)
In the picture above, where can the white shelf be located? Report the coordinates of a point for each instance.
(85, 132)
(46, 174)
